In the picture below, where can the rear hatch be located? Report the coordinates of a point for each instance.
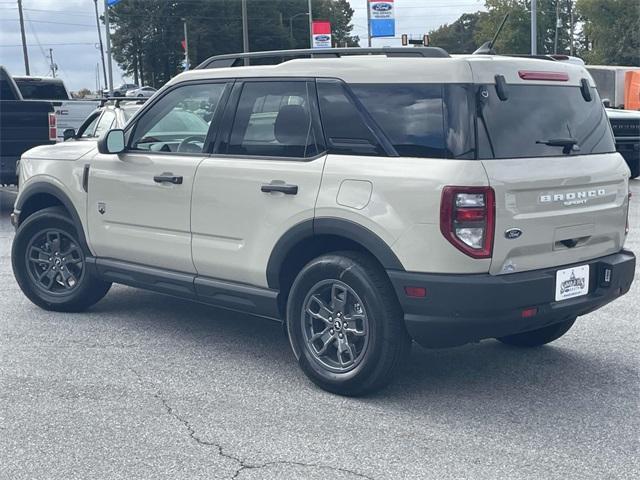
(547, 147)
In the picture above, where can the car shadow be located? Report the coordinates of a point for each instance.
(485, 377)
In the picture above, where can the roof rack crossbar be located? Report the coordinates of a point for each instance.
(234, 59)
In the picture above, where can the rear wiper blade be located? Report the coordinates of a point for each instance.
(567, 144)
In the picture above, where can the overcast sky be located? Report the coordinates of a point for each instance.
(68, 27)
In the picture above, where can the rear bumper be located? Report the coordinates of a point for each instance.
(459, 309)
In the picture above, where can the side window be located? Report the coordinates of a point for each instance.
(410, 115)
(344, 128)
(179, 121)
(273, 119)
(104, 124)
(87, 129)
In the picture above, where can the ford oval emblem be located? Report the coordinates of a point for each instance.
(381, 7)
(512, 233)
(323, 38)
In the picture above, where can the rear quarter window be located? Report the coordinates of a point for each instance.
(410, 115)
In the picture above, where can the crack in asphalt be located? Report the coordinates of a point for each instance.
(242, 464)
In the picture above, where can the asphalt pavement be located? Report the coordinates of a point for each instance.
(149, 386)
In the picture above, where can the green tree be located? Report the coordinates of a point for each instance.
(147, 33)
(458, 37)
(611, 31)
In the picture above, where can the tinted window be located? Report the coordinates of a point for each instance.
(411, 116)
(538, 113)
(273, 119)
(42, 89)
(105, 123)
(179, 121)
(344, 128)
(6, 92)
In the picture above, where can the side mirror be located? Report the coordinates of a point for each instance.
(606, 102)
(111, 142)
(69, 133)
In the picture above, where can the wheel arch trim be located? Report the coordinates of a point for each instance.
(46, 188)
(338, 227)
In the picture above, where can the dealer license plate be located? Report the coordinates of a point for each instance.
(572, 282)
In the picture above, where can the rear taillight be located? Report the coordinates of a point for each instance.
(53, 127)
(467, 219)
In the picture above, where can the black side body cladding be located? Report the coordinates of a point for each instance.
(329, 226)
(48, 189)
(219, 293)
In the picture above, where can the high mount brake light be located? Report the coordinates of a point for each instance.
(467, 219)
(548, 76)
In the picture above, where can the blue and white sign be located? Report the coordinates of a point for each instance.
(381, 18)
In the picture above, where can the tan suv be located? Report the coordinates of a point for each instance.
(363, 200)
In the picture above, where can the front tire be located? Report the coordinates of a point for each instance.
(346, 325)
(542, 336)
(49, 263)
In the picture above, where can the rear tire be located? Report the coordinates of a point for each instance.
(542, 336)
(346, 303)
(49, 263)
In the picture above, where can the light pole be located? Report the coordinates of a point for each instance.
(245, 31)
(186, 46)
(291, 24)
(310, 26)
(534, 28)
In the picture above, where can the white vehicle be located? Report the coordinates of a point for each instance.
(363, 201)
(610, 81)
(141, 92)
(70, 113)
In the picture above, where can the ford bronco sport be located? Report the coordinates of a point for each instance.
(365, 201)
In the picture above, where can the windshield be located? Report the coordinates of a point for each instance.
(42, 89)
(180, 121)
(541, 121)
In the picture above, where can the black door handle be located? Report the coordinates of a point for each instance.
(168, 178)
(280, 187)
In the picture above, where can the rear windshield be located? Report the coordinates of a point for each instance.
(42, 89)
(533, 116)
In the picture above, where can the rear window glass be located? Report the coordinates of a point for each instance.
(534, 114)
(411, 116)
(42, 89)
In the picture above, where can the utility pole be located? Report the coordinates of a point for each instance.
(555, 39)
(245, 31)
(368, 24)
(106, 26)
(24, 40)
(186, 46)
(310, 26)
(104, 68)
(534, 28)
(54, 67)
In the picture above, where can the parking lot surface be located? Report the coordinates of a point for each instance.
(149, 386)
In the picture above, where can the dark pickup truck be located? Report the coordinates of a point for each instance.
(23, 124)
(626, 130)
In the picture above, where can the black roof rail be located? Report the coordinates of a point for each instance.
(117, 100)
(275, 57)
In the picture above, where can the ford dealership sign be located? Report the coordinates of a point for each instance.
(381, 18)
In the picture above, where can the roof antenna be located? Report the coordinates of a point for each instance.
(487, 47)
